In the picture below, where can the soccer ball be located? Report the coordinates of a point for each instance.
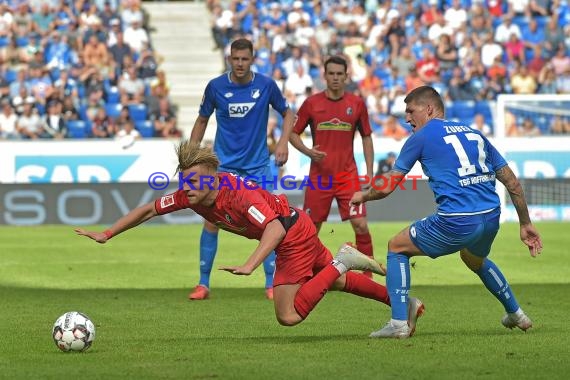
(73, 331)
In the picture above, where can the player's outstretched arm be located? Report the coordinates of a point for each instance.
(391, 181)
(132, 219)
(272, 236)
(528, 233)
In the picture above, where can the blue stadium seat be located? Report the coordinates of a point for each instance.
(496, 22)
(54, 74)
(449, 110)
(113, 95)
(446, 76)
(541, 21)
(138, 112)
(82, 110)
(77, 129)
(463, 109)
(382, 73)
(41, 108)
(145, 128)
(484, 108)
(113, 109)
(521, 21)
(10, 75)
(542, 122)
(81, 92)
(22, 41)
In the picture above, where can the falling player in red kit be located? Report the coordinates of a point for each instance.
(334, 117)
(305, 268)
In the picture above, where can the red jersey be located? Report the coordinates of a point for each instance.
(333, 124)
(238, 208)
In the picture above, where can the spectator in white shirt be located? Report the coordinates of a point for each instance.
(298, 83)
(8, 119)
(489, 51)
(30, 124)
(455, 16)
(506, 28)
(136, 37)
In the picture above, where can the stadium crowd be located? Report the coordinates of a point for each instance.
(81, 68)
(469, 50)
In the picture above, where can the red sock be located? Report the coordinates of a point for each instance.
(364, 244)
(312, 291)
(362, 286)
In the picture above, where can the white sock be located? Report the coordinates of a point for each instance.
(340, 267)
(398, 323)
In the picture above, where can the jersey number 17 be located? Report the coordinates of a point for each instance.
(467, 168)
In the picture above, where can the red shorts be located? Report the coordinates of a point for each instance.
(301, 254)
(318, 203)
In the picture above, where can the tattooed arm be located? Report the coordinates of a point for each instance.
(511, 182)
(528, 233)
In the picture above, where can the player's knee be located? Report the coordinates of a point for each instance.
(392, 244)
(288, 319)
(361, 228)
(471, 261)
(210, 227)
(339, 283)
(359, 225)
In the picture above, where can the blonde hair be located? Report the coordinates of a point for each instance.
(191, 154)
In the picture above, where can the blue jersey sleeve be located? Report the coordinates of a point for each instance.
(208, 101)
(410, 153)
(276, 99)
(495, 158)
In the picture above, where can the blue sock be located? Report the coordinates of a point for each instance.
(269, 269)
(496, 283)
(398, 284)
(208, 249)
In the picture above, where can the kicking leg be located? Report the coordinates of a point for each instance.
(496, 283)
(309, 294)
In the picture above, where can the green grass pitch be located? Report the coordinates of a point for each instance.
(134, 289)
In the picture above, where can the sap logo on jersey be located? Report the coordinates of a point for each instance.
(240, 109)
(71, 169)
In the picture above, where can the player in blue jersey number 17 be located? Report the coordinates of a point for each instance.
(241, 100)
(462, 166)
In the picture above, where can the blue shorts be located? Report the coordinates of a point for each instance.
(262, 176)
(439, 235)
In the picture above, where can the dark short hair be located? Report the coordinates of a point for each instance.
(242, 44)
(425, 95)
(338, 60)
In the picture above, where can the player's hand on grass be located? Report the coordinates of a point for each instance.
(357, 198)
(99, 237)
(531, 237)
(239, 270)
(316, 155)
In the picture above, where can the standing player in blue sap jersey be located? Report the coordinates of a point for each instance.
(241, 99)
(461, 165)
